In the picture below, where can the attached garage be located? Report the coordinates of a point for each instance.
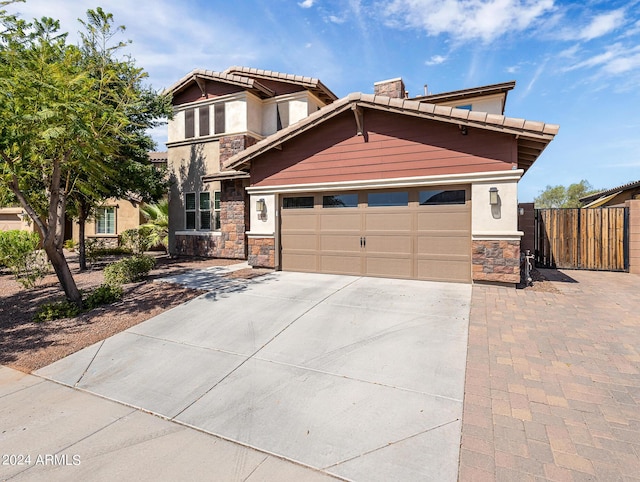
(372, 186)
(418, 233)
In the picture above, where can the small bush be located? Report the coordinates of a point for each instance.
(138, 240)
(128, 270)
(115, 251)
(104, 294)
(19, 253)
(70, 245)
(56, 311)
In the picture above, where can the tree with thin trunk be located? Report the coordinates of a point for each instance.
(66, 123)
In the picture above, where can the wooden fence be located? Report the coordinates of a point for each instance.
(594, 239)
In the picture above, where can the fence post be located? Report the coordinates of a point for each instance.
(634, 235)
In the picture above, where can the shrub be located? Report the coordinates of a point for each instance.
(104, 294)
(19, 253)
(138, 240)
(93, 248)
(70, 245)
(128, 270)
(55, 311)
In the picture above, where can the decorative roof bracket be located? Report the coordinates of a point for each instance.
(359, 115)
(202, 84)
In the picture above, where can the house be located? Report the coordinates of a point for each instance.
(116, 215)
(614, 197)
(15, 218)
(370, 184)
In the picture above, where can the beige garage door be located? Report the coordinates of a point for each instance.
(416, 234)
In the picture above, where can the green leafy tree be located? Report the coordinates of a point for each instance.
(67, 122)
(563, 197)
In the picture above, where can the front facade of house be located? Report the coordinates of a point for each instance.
(373, 185)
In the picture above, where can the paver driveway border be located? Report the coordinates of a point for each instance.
(358, 377)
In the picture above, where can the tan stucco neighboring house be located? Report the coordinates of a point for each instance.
(116, 215)
(614, 197)
(370, 184)
(15, 218)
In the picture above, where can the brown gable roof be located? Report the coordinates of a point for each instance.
(309, 83)
(532, 136)
(613, 190)
(246, 83)
(463, 94)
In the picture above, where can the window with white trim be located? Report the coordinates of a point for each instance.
(190, 210)
(106, 220)
(200, 213)
(216, 211)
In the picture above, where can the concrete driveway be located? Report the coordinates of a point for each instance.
(361, 378)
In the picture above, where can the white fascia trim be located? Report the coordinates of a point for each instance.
(260, 235)
(287, 97)
(497, 236)
(466, 178)
(213, 100)
(198, 233)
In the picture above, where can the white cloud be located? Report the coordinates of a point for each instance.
(307, 3)
(467, 19)
(599, 26)
(512, 69)
(616, 59)
(336, 19)
(436, 60)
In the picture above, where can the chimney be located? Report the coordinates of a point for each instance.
(390, 88)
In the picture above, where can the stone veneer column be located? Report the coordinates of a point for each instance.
(496, 261)
(232, 220)
(262, 252)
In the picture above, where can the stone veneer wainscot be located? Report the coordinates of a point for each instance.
(497, 261)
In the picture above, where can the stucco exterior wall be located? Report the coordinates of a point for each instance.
(634, 235)
(186, 165)
(495, 222)
(11, 218)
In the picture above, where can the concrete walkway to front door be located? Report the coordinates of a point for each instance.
(361, 378)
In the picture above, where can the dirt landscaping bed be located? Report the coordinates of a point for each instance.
(27, 346)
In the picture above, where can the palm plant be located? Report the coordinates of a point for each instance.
(157, 216)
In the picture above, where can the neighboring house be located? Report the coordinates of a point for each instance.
(374, 185)
(116, 215)
(614, 197)
(12, 218)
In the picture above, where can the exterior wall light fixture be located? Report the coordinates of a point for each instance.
(493, 196)
(261, 207)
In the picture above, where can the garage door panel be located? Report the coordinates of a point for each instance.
(340, 243)
(340, 221)
(456, 220)
(393, 267)
(396, 244)
(294, 261)
(299, 222)
(341, 264)
(444, 245)
(388, 221)
(444, 270)
(299, 241)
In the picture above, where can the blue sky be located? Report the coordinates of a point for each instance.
(576, 64)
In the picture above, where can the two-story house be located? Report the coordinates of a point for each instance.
(370, 184)
(217, 114)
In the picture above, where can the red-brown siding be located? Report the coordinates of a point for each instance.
(394, 146)
(213, 89)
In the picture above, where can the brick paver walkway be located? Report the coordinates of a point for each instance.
(553, 382)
